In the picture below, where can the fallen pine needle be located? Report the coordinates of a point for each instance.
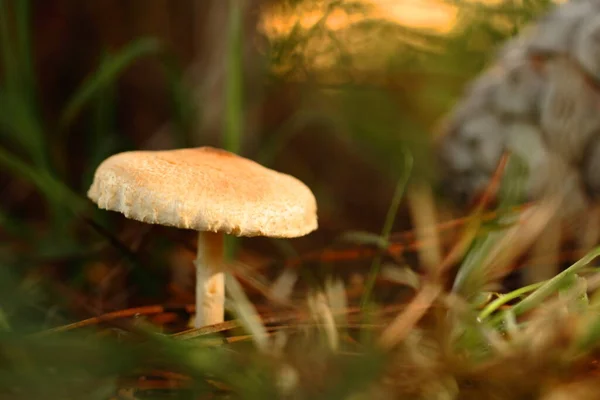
(404, 322)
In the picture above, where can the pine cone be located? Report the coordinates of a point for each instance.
(539, 101)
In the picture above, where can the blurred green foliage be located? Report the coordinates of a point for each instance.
(383, 85)
(383, 99)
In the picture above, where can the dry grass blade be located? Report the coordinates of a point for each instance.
(547, 247)
(121, 314)
(472, 225)
(518, 238)
(422, 206)
(403, 323)
(322, 313)
(246, 312)
(278, 292)
(337, 300)
(282, 288)
(591, 232)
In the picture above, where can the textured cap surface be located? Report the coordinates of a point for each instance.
(204, 189)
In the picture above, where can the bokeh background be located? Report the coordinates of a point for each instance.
(334, 92)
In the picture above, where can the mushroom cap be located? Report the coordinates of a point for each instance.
(204, 189)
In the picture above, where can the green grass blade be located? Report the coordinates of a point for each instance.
(232, 135)
(387, 227)
(106, 74)
(472, 274)
(470, 277)
(101, 142)
(54, 190)
(20, 126)
(554, 284)
(550, 287)
(502, 300)
(364, 238)
(234, 81)
(20, 119)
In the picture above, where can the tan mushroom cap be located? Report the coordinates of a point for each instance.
(204, 189)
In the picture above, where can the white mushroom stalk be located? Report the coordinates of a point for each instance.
(210, 279)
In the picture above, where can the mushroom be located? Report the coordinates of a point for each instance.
(209, 190)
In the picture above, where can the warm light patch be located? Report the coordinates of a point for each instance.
(328, 29)
(280, 22)
(428, 14)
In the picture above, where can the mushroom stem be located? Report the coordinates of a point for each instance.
(210, 279)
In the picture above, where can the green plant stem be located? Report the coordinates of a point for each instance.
(547, 288)
(387, 228)
(233, 97)
(505, 298)
(105, 75)
(55, 190)
(233, 111)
